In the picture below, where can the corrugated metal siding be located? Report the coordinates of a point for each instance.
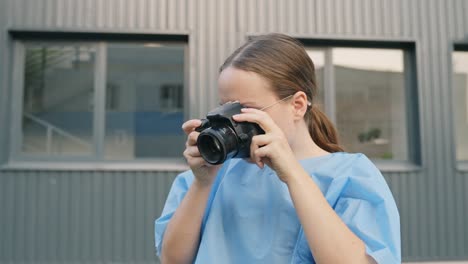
(3, 75)
(80, 217)
(95, 216)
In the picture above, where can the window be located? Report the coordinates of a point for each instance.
(100, 101)
(318, 57)
(460, 86)
(367, 93)
(57, 100)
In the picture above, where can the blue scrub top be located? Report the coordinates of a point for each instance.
(250, 217)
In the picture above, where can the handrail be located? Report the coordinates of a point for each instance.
(50, 128)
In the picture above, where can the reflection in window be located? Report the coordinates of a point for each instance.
(370, 101)
(460, 84)
(144, 98)
(141, 86)
(58, 91)
(171, 98)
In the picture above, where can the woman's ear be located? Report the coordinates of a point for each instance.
(300, 104)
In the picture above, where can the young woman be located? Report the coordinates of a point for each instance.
(299, 198)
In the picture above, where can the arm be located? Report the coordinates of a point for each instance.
(182, 235)
(330, 240)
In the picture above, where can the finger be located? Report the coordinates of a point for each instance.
(192, 138)
(196, 162)
(253, 158)
(190, 125)
(192, 159)
(258, 154)
(262, 140)
(192, 152)
(256, 116)
(260, 164)
(259, 141)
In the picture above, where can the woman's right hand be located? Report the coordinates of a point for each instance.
(203, 171)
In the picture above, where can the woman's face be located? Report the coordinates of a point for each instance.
(253, 91)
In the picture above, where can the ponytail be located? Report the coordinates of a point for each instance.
(322, 131)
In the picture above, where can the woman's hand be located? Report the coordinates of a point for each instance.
(272, 147)
(203, 171)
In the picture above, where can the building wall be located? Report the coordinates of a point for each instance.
(106, 216)
(3, 76)
(80, 217)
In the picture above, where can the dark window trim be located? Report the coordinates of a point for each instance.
(413, 106)
(460, 46)
(97, 36)
(355, 43)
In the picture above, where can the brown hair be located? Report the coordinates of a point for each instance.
(283, 61)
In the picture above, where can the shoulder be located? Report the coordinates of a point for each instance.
(363, 179)
(355, 162)
(357, 166)
(362, 162)
(342, 170)
(351, 157)
(340, 163)
(364, 167)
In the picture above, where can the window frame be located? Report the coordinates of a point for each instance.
(95, 160)
(461, 165)
(414, 162)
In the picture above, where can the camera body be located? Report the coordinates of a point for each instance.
(222, 138)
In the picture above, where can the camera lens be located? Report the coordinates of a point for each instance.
(216, 144)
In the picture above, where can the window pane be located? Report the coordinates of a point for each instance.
(460, 67)
(144, 101)
(370, 101)
(57, 102)
(318, 58)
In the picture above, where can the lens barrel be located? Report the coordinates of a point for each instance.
(216, 144)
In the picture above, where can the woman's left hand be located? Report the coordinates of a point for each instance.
(272, 147)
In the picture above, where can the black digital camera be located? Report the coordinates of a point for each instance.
(222, 138)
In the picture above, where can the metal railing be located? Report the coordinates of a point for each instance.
(50, 129)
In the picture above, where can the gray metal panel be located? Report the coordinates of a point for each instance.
(98, 216)
(4, 95)
(66, 217)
